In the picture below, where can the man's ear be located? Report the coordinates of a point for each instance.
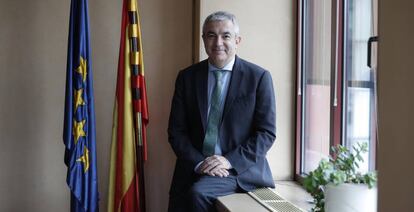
(238, 40)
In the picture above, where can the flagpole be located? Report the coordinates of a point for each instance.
(128, 150)
(136, 87)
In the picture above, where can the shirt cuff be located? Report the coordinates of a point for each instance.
(196, 167)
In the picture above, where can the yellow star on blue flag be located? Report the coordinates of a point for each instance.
(84, 159)
(78, 130)
(78, 98)
(82, 68)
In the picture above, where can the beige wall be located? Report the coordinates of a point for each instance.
(267, 28)
(33, 40)
(33, 45)
(167, 35)
(396, 104)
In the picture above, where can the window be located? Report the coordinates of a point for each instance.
(336, 98)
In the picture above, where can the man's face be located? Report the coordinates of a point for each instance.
(220, 42)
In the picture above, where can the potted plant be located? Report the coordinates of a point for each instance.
(337, 185)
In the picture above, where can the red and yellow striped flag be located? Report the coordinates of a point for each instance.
(130, 118)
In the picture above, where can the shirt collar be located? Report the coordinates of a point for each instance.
(227, 67)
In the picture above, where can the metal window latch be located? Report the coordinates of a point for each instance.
(370, 41)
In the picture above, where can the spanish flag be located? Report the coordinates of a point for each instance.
(79, 124)
(130, 118)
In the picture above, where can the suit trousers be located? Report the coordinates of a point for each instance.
(202, 196)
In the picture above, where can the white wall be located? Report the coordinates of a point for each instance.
(267, 28)
(396, 104)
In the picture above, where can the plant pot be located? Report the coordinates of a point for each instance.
(350, 197)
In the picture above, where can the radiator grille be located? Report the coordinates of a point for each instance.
(272, 201)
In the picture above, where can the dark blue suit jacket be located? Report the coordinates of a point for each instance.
(247, 130)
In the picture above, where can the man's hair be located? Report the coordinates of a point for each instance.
(222, 16)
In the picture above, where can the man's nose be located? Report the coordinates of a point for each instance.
(219, 41)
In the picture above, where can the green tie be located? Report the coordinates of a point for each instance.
(214, 117)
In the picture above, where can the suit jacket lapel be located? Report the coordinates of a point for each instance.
(201, 84)
(237, 75)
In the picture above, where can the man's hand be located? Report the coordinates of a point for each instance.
(215, 165)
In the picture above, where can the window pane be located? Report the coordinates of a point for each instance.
(360, 108)
(317, 77)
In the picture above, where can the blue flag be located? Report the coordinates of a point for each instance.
(79, 127)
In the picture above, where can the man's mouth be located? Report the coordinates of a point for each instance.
(218, 50)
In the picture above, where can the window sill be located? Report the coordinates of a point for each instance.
(289, 190)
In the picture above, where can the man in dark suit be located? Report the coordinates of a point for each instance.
(222, 122)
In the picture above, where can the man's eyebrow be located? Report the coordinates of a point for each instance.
(222, 33)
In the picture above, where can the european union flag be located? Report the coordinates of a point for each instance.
(79, 127)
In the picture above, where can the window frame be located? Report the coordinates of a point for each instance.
(337, 74)
(339, 81)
